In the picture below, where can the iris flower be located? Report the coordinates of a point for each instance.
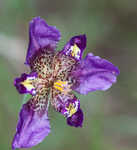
(53, 77)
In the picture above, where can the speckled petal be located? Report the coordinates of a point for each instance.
(76, 119)
(75, 46)
(94, 73)
(31, 129)
(41, 35)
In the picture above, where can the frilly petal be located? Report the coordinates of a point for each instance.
(31, 128)
(76, 119)
(41, 35)
(75, 46)
(94, 73)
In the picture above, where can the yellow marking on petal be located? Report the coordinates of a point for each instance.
(62, 86)
(60, 83)
(58, 88)
(75, 51)
(28, 84)
(71, 109)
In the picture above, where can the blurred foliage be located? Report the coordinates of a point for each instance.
(111, 28)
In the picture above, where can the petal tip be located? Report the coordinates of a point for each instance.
(80, 40)
(31, 128)
(94, 73)
(76, 120)
(41, 35)
(75, 47)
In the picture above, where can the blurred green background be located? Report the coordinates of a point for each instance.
(111, 28)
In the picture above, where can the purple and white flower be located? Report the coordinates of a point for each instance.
(52, 78)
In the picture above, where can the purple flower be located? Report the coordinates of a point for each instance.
(52, 78)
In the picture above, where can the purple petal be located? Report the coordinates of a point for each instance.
(80, 43)
(94, 73)
(41, 35)
(70, 108)
(31, 129)
(22, 89)
(76, 119)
